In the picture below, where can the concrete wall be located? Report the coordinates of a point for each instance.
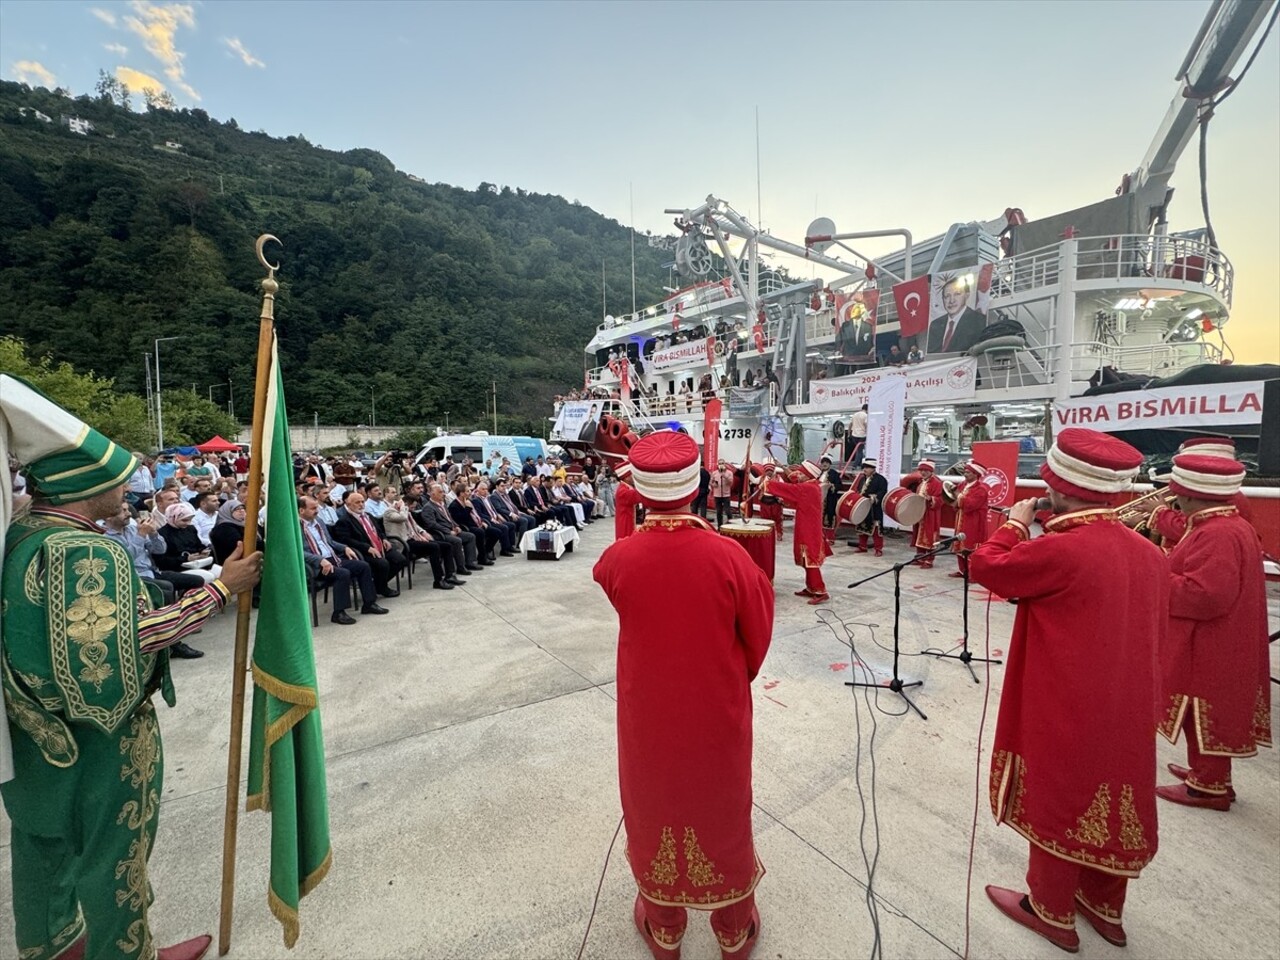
(309, 437)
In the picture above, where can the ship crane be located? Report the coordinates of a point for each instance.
(1205, 74)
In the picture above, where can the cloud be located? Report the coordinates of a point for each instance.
(158, 25)
(239, 50)
(106, 16)
(33, 73)
(137, 81)
(119, 49)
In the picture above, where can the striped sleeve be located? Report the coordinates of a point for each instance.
(165, 627)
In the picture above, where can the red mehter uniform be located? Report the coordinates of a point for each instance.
(973, 499)
(1171, 524)
(924, 535)
(769, 507)
(684, 673)
(1215, 663)
(1073, 765)
(809, 543)
(625, 501)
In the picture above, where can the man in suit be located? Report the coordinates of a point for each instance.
(487, 537)
(960, 326)
(357, 530)
(335, 565)
(537, 495)
(508, 511)
(507, 529)
(435, 519)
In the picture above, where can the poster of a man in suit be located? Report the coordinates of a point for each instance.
(960, 325)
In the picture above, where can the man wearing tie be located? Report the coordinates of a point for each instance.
(543, 508)
(508, 511)
(488, 515)
(356, 530)
(960, 327)
(434, 517)
(335, 565)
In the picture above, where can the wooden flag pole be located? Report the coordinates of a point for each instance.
(258, 458)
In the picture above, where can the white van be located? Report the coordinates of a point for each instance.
(481, 447)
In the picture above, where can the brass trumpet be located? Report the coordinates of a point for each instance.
(1138, 508)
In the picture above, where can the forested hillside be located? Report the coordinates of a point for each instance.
(414, 295)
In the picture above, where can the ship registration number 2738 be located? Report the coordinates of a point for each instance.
(735, 433)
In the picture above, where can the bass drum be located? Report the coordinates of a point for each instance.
(904, 507)
(853, 508)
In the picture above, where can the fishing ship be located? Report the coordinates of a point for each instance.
(1004, 329)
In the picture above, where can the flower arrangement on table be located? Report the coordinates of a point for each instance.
(552, 525)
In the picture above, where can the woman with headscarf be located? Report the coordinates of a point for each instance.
(228, 531)
(183, 544)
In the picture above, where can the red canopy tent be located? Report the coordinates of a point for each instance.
(216, 445)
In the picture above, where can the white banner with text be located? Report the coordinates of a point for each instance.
(1203, 405)
(939, 381)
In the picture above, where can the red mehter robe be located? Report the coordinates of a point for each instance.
(1171, 524)
(1073, 768)
(809, 543)
(924, 535)
(972, 501)
(686, 660)
(1215, 660)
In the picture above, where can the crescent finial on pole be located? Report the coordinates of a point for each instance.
(262, 258)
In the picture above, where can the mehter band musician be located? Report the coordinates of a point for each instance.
(803, 494)
(685, 666)
(84, 649)
(1170, 524)
(924, 535)
(973, 499)
(873, 486)
(1073, 765)
(1215, 663)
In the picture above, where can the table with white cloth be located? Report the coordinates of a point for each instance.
(563, 540)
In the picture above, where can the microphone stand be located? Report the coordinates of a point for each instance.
(964, 656)
(896, 684)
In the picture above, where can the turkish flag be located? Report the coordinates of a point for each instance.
(675, 321)
(711, 351)
(912, 300)
(985, 276)
(624, 374)
(757, 334)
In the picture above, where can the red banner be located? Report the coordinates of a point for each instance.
(1000, 457)
(711, 433)
(912, 301)
(624, 375)
(711, 351)
(757, 334)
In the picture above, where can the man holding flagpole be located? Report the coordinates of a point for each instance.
(82, 650)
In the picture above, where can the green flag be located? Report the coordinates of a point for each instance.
(286, 747)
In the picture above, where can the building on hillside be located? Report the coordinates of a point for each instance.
(173, 145)
(415, 179)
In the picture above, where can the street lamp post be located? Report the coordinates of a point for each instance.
(159, 399)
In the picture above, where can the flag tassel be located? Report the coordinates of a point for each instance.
(244, 601)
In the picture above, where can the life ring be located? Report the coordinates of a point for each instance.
(719, 348)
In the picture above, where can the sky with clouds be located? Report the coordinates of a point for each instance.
(878, 115)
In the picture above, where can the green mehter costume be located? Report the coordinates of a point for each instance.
(81, 652)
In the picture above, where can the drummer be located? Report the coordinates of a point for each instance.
(873, 486)
(770, 506)
(832, 486)
(810, 544)
(924, 535)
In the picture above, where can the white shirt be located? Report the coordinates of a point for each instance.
(858, 424)
(203, 523)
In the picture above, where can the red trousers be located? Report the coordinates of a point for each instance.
(877, 540)
(927, 562)
(1209, 774)
(813, 581)
(1058, 885)
(731, 924)
(773, 511)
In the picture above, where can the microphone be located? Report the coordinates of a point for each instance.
(1042, 503)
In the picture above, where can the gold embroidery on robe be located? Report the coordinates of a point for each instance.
(142, 751)
(1092, 827)
(1131, 836)
(1065, 921)
(699, 869)
(31, 585)
(91, 619)
(662, 870)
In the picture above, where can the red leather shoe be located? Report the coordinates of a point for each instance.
(806, 592)
(1017, 907)
(192, 949)
(744, 951)
(956, 576)
(1108, 930)
(1181, 793)
(1183, 772)
(818, 598)
(659, 951)
(879, 553)
(76, 950)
